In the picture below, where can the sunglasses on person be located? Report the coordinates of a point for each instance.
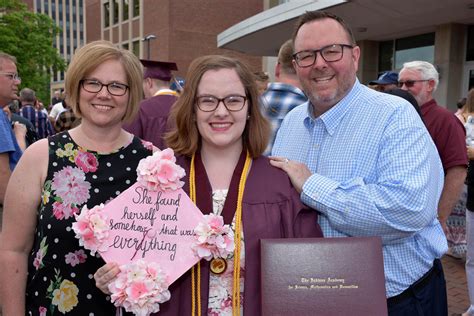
(410, 83)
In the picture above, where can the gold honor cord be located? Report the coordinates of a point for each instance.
(196, 289)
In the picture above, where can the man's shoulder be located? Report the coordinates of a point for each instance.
(442, 111)
(441, 115)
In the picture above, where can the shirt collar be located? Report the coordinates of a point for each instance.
(334, 115)
(425, 108)
(285, 87)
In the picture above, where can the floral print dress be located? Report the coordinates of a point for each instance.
(220, 286)
(60, 272)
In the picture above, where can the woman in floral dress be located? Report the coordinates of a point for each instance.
(44, 270)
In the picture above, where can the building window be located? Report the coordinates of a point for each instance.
(385, 56)
(470, 43)
(136, 8)
(106, 14)
(136, 48)
(125, 45)
(124, 10)
(420, 47)
(116, 12)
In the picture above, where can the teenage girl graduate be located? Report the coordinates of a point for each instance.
(220, 136)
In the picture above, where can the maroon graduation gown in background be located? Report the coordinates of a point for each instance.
(151, 121)
(271, 208)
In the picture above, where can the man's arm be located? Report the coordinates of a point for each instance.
(4, 174)
(392, 192)
(453, 185)
(20, 133)
(19, 222)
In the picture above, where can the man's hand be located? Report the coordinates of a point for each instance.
(19, 129)
(297, 171)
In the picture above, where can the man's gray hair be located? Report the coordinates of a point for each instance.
(27, 96)
(426, 69)
(5, 56)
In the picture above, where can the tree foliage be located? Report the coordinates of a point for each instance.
(29, 37)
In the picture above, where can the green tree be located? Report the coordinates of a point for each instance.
(29, 37)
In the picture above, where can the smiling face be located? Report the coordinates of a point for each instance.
(102, 108)
(326, 83)
(221, 129)
(8, 86)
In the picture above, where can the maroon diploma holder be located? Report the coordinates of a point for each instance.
(323, 276)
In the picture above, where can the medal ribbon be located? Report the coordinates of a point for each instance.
(241, 171)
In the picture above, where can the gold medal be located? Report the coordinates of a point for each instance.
(218, 265)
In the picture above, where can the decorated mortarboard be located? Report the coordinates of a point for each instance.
(158, 69)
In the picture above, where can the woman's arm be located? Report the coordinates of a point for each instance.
(19, 221)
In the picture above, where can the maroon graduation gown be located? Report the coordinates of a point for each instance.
(151, 121)
(271, 208)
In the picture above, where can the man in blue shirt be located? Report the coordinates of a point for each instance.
(365, 161)
(10, 152)
(283, 95)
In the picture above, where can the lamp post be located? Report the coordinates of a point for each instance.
(147, 39)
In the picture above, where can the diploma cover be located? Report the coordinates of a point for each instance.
(323, 276)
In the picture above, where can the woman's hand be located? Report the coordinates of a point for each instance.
(104, 275)
(470, 152)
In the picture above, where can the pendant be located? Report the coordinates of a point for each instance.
(218, 265)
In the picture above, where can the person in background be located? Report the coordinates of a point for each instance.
(151, 121)
(46, 270)
(66, 120)
(10, 151)
(386, 81)
(57, 108)
(262, 78)
(365, 161)
(56, 97)
(27, 136)
(37, 117)
(421, 78)
(177, 85)
(220, 135)
(283, 95)
(460, 105)
(468, 120)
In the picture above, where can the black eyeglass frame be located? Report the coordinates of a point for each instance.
(320, 51)
(219, 100)
(410, 83)
(102, 85)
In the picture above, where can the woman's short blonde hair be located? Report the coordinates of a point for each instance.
(88, 58)
(185, 138)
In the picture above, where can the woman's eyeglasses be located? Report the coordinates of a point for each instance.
(410, 83)
(233, 103)
(95, 86)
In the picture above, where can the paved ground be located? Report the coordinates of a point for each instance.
(458, 299)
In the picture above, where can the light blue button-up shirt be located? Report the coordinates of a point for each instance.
(376, 172)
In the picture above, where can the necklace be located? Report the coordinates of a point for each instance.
(196, 270)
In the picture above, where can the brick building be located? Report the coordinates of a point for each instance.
(169, 30)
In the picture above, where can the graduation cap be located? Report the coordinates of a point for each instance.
(158, 69)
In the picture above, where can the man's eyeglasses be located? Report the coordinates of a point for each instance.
(410, 83)
(330, 53)
(209, 103)
(11, 75)
(95, 86)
